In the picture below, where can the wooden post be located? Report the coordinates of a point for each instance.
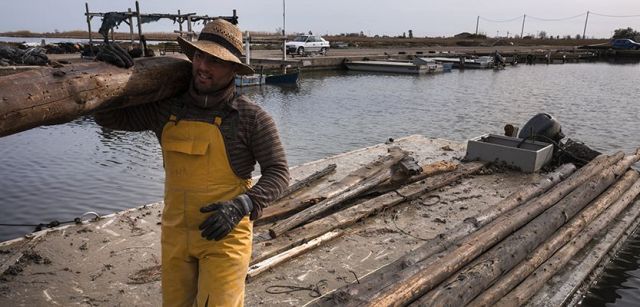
(57, 95)
(189, 28)
(531, 285)
(414, 281)
(256, 269)
(180, 20)
(446, 240)
(461, 287)
(560, 238)
(366, 178)
(144, 52)
(131, 26)
(86, 6)
(360, 211)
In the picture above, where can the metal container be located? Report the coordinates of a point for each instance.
(529, 157)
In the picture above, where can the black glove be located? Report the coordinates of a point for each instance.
(224, 216)
(114, 54)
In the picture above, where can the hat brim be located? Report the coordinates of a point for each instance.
(189, 48)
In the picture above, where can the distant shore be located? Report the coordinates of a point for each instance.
(269, 41)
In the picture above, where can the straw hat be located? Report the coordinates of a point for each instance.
(220, 39)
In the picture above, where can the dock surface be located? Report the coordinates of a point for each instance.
(113, 261)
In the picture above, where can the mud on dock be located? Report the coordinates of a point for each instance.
(115, 260)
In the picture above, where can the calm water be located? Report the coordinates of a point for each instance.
(60, 172)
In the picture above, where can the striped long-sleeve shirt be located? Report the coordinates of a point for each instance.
(249, 133)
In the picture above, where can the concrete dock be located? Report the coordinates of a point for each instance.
(114, 261)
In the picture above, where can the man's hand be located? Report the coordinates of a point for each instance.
(114, 54)
(224, 216)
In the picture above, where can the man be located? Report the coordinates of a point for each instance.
(211, 139)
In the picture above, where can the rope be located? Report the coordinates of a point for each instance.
(314, 290)
(54, 223)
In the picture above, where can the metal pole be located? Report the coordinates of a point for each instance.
(144, 52)
(584, 33)
(524, 17)
(477, 23)
(86, 6)
(131, 27)
(284, 35)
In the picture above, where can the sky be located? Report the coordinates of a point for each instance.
(372, 17)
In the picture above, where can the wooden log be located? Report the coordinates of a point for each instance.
(460, 288)
(366, 178)
(57, 95)
(427, 170)
(288, 202)
(414, 281)
(309, 180)
(358, 212)
(536, 280)
(560, 238)
(258, 268)
(446, 240)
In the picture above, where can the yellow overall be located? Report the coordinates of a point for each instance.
(196, 271)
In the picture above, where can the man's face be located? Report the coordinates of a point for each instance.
(210, 73)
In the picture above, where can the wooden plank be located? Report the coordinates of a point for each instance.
(256, 269)
(57, 95)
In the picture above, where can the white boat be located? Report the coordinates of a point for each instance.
(482, 62)
(418, 66)
(250, 80)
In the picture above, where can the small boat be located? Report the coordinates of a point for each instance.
(418, 66)
(285, 78)
(482, 62)
(250, 80)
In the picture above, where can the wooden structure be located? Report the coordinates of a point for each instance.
(180, 18)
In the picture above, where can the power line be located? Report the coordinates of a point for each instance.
(556, 19)
(615, 16)
(504, 20)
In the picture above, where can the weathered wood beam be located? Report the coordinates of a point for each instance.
(536, 280)
(555, 242)
(414, 281)
(349, 216)
(462, 286)
(358, 182)
(57, 95)
(446, 240)
(427, 170)
(258, 268)
(289, 202)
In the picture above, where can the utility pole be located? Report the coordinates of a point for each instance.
(524, 17)
(477, 23)
(584, 33)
